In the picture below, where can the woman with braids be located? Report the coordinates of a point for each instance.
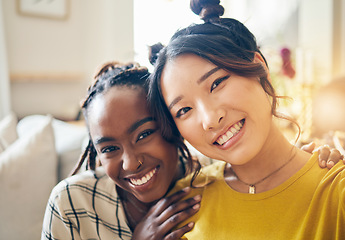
(211, 85)
(120, 199)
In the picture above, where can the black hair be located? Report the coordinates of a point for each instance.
(225, 42)
(113, 74)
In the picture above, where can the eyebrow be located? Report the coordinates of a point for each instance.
(139, 123)
(130, 130)
(200, 80)
(103, 139)
(208, 74)
(176, 100)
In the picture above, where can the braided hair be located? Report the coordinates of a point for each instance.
(225, 42)
(113, 74)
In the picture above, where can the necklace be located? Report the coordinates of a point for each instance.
(252, 186)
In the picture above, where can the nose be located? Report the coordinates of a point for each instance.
(210, 115)
(129, 159)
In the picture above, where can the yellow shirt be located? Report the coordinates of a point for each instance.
(309, 205)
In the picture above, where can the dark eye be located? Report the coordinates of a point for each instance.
(145, 134)
(218, 81)
(182, 111)
(109, 149)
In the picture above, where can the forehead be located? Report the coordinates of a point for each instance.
(119, 105)
(183, 74)
(186, 66)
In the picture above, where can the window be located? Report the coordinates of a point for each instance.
(156, 21)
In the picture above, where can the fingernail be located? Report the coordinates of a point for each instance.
(197, 197)
(191, 224)
(196, 206)
(330, 163)
(323, 163)
(187, 189)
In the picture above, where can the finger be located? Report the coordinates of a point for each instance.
(181, 206)
(333, 158)
(324, 153)
(308, 147)
(174, 219)
(164, 203)
(177, 234)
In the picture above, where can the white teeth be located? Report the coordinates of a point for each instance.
(230, 133)
(144, 179)
(233, 130)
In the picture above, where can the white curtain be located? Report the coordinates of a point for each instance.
(5, 104)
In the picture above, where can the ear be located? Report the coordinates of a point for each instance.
(258, 58)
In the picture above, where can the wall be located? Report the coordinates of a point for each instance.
(322, 31)
(51, 62)
(313, 29)
(315, 35)
(339, 38)
(5, 105)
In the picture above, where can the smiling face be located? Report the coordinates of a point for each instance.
(223, 115)
(124, 133)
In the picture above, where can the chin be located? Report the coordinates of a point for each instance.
(150, 199)
(152, 196)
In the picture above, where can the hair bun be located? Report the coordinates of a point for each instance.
(153, 52)
(207, 9)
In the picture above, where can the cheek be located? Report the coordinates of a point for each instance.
(191, 132)
(167, 152)
(111, 168)
(183, 127)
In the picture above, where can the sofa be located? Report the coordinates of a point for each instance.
(36, 153)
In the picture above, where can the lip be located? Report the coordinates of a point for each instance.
(233, 139)
(148, 184)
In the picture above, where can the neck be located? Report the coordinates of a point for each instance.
(134, 209)
(277, 161)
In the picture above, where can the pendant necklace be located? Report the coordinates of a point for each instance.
(252, 186)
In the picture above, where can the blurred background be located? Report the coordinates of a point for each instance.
(49, 50)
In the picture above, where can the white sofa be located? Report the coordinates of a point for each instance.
(35, 154)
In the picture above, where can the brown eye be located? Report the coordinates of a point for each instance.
(145, 134)
(182, 111)
(218, 81)
(109, 149)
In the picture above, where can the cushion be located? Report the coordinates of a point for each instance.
(27, 176)
(69, 139)
(8, 132)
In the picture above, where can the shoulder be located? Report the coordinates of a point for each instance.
(336, 173)
(89, 183)
(84, 205)
(82, 179)
(206, 176)
(335, 179)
